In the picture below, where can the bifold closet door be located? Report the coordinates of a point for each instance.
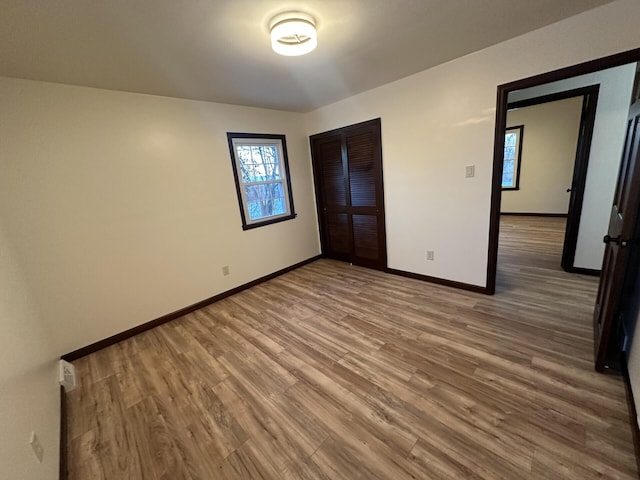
(334, 210)
(349, 189)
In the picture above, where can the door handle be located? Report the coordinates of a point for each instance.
(569, 190)
(617, 240)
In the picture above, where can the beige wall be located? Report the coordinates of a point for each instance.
(439, 120)
(549, 146)
(115, 209)
(604, 157)
(123, 208)
(29, 397)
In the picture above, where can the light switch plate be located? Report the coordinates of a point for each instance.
(470, 171)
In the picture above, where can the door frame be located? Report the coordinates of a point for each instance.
(589, 96)
(503, 91)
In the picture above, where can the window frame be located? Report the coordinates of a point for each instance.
(517, 161)
(279, 141)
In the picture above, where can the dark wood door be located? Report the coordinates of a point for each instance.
(619, 244)
(331, 193)
(347, 166)
(579, 180)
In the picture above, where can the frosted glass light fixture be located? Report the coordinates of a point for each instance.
(293, 34)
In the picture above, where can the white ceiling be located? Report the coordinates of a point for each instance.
(219, 50)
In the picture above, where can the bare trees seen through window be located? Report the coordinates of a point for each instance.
(261, 170)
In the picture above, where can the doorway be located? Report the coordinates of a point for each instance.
(347, 168)
(605, 63)
(610, 304)
(555, 135)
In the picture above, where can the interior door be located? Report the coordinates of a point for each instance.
(331, 194)
(579, 180)
(349, 192)
(365, 195)
(619, 242)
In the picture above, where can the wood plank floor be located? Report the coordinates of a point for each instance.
(338, 372)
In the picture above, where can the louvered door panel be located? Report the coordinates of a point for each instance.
(333, 182)
(362, 169)
(331, 190)
(338, 233)
(365, 236)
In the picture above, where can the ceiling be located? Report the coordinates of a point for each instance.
(219, 50)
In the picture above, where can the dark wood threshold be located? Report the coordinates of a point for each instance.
(584, 271)
(118, 337)
(63, 475)
(633, 415)
(529, 214)
(439, 281)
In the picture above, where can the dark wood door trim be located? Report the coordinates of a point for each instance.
(63, 465)
(503, 91)
(553, 97)
(340, 130)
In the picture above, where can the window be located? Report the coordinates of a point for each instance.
(261, 170)
(512, 154)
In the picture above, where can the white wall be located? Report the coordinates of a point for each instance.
(604, 158)
(29, 395)
(439, 120)
(549, 141)
(122, 207)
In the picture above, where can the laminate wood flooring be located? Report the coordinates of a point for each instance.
(339, 372)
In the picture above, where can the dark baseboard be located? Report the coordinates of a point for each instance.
(439, 281)
(529, 214)
(63, 475)
(94, 347)
(584, 271)
(633, 415)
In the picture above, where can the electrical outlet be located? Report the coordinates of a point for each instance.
(225, 270)
(470, 171)
(36, 446)
(429, 254)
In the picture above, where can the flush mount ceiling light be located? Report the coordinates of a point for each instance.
(293, 34)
